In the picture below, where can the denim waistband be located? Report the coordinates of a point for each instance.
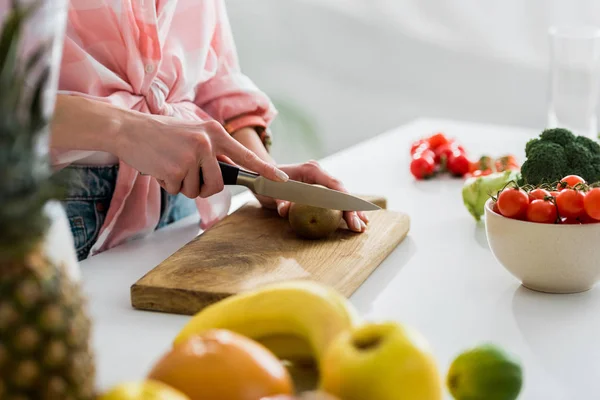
(92, 182)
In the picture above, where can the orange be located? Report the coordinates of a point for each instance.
(220, 364)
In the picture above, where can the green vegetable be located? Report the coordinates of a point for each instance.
(485, 372)
(476, 191)
(558, 153)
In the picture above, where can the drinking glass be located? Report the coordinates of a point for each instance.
(574, 79)
(46, 26)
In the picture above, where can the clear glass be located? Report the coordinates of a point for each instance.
(46, 26)
(574, 78)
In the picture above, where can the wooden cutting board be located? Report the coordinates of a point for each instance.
(254, 246)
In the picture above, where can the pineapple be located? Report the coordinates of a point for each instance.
(45, 349)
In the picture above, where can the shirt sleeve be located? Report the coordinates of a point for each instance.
(230, 97)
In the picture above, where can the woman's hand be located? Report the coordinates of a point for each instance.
(173, 152)
(311, 172)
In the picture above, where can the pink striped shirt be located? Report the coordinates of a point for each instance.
(167, 57)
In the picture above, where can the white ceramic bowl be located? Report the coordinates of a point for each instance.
(544, 257)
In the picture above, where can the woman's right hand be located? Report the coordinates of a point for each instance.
(173, 151)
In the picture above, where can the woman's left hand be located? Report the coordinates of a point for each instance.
(311, 172)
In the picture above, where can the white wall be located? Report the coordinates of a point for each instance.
(359, 67)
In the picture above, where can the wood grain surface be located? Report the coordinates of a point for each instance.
(254, 246)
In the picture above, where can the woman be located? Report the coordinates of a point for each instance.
(149, 92)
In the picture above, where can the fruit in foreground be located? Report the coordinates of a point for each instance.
(311, 395)
(300, 310)
(313, 222)
(45, 350)
(143, 390)
(221, 364)
(485, 372)
(381, 361)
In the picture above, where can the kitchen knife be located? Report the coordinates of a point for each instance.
(296, 192)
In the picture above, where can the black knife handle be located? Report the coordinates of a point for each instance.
(228, 172)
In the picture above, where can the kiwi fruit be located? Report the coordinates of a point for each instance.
(313, 222)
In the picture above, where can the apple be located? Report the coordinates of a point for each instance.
(381, 361)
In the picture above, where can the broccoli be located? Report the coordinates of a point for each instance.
(558, 153)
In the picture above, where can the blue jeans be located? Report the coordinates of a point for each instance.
(88, 199)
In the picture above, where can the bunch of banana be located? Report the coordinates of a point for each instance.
(296, 320)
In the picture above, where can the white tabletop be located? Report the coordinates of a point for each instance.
(442, 279)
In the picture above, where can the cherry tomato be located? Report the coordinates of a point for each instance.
(586, 219)
(443, 152)
(437, 140)
(569, 182)
(496, 209)
(541, 211)
(485, 163)
(591, 204)
(422, 166)
(554, 194)
(513, 203)
(458, 164)
(570, 203)
(424, 152)
(540, 194)
(506, 163)
(419, 145)
(473, 166)
(481, 173)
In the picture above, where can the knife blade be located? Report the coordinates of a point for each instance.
(294, 191)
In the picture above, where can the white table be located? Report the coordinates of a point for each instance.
(442, 279)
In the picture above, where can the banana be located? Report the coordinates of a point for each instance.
(296, 317)
(289, 348)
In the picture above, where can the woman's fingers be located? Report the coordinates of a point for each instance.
(191, 183)
(363, 216)
(211, 175)
(248, 159)
(283, 207)
(226, 159)
(313, 173)
(354, 223)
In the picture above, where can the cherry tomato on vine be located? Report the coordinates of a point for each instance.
(481, 173)
(495, 208)
(569, 181)
(505, 163)
(542, 211)
(422, 166)
(458, 164)
(437, 140)
(513, 203)
(570, 203)
(424, 152)
(419, 145)
(443, 153)
(540, 194)
(591, 204)
(586, 219)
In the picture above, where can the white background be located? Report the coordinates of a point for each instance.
(356, 68)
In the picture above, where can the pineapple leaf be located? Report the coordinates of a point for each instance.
(36, 56)
(27, 181)
(38, 121)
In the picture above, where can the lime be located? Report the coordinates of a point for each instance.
(485, 372)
